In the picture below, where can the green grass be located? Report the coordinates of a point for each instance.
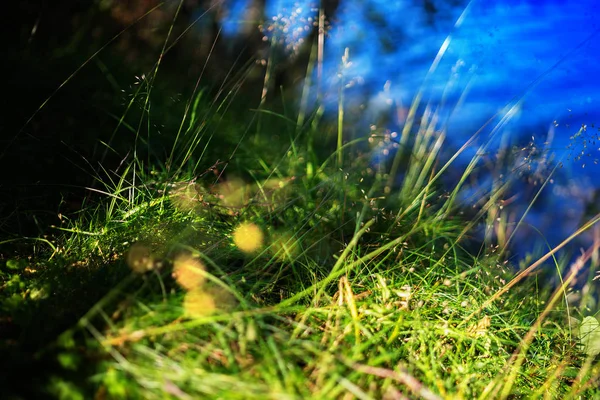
(355, 287)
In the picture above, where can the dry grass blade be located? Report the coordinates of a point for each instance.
(521, 275)
(520, 353)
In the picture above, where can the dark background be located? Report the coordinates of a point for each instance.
(50, 151)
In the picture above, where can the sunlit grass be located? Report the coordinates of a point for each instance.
(297, 276)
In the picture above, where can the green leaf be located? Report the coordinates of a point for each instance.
(66, 340)
(14, 264)
(589, 336)
(69, 361)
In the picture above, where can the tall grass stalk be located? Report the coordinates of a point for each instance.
(340, 121)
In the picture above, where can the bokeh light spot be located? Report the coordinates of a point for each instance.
(248, 237)
(233, 192)
(198, 303)
(186, 196)
(188, 271)
(140, 258)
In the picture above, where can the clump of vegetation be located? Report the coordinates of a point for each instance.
(249, 263)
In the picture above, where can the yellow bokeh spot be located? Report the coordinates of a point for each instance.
(186, 196)
(248, 237)
(198, 303)
(233, 192)
(188, 271)
(140, 258)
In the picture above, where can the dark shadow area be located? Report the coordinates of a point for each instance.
(74, 98)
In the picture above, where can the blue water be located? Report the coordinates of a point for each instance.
(538, 59)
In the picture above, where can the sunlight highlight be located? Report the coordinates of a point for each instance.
(198, 303)
(188, 271)
(248, 237)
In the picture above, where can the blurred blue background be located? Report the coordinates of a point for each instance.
(535, 62)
